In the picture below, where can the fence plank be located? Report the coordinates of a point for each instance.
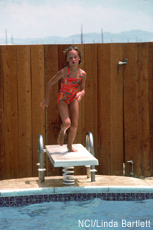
(90, 115)
(90, 66)
(130, 108)
(38, 94)
(2, 159)
(137, 112)
(104, 109)
(116, 111)
(11, 138)
(52, 117)
(150, 81)
(24, 111)
(143, 109)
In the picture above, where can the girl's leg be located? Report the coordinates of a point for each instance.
(66, 122)
(74, 116)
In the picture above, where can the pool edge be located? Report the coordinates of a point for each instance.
(71, 189)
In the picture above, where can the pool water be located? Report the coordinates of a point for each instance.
(73, 215)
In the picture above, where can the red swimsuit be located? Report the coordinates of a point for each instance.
(69, 88)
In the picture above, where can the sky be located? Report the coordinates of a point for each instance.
(44, 18)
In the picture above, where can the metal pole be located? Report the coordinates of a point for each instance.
(90, 148)
(41, 168)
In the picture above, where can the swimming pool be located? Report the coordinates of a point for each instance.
(90, 214)
(80, 208)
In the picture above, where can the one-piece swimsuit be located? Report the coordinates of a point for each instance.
(69, 88)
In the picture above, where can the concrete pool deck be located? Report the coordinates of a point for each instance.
(102, 181)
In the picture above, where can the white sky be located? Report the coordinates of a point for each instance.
(42, 18)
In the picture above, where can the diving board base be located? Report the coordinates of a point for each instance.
(68, 178)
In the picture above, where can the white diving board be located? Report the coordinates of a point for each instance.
(60, 157)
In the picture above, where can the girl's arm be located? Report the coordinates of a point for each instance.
(60, 74)
(82, 86)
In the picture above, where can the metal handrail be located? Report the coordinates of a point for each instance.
(41, 151)
(90, 148)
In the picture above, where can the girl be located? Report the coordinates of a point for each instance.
(68, 98)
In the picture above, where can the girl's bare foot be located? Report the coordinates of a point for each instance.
(71, 149)
(61, 137)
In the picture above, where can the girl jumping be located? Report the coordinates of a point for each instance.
(72, 77)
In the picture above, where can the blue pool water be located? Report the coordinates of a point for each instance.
(73, 215)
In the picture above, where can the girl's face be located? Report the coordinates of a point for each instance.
(73, 58)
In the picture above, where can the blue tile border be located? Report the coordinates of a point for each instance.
(23, 197)
(18, 201)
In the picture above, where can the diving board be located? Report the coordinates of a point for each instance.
(60, 157)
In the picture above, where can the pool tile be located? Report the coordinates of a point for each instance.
(16, 201)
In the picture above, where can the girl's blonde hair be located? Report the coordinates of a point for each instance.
(72, 48)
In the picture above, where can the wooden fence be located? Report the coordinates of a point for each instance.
(117, 107)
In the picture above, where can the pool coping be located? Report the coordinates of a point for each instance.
(72, 190)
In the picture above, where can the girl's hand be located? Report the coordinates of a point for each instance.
(79, 96)
(44, 103)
